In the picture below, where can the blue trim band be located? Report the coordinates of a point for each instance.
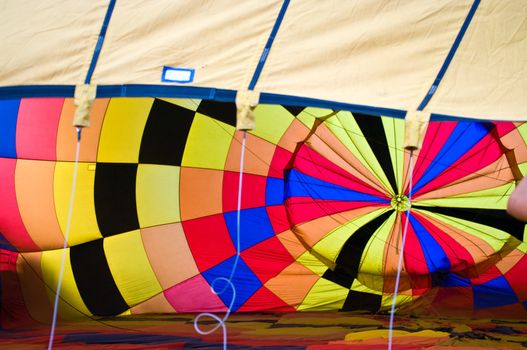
(100, 41)
(450, 56)
(166, 91)
(223, 95)
(8, 92)
(268, 45)
(267, 98)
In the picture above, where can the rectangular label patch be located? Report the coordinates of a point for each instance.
(177, 75)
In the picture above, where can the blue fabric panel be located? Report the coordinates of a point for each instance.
(464, 136)
(274, 191)
(255, 226)
(302, 185)
(450, 279)
(436, 258)
(244, 280)
(8, 119)
(494, 293)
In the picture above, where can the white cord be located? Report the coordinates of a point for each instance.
(228, 281)
(401, 254)
(65, 246)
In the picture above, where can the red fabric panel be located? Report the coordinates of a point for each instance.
(253, 191)
(209, 240)
(267, 259)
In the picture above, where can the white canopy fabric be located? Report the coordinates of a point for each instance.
(377, 53)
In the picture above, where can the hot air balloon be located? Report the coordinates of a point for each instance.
(317, 163)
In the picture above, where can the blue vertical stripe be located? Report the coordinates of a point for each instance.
(100, 41)
(450, 56)
(268, 45)
(8, 119)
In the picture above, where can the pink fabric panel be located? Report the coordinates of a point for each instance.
(36, 132)
(194, 295)
(11, 225)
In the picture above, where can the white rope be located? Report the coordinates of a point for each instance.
(228, 281)
(65, 246)
(401, 254)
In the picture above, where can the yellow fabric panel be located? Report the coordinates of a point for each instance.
(271, 122)
(371, 268)
(51, 262)
(157, 194)
(308, 115)
(359, 287)
(401, 300)
(84, 226)
(122, 129)
(344, 126)
(307, 119)
(207, 143)
(312, 263)
(324, 296)
(493, 198)
(332, 243)
(494, 237)
(134, 277)
(394, 131)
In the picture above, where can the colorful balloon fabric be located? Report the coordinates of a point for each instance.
(324, 202)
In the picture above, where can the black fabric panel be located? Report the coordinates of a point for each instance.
(339, 276)
(490, 217)
(294, 110)
(362, 301)
(114, 196)
(222, 111)
(348, 260)
(94, 279)
(165, 134)
(373, 131)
